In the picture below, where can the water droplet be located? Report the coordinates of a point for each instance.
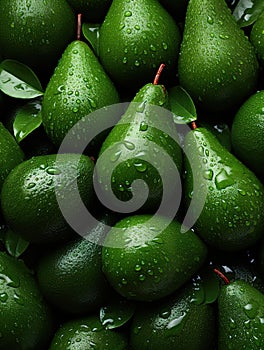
(124, 281)
(210, 20)
(158, 240)
(75, 109)
(165, 46)
(152, 48)
(176, 322)
(129, 145)
(53, 171)
(232, 324)
(141, 167)
(137, 63)
(31, 185)
(75, 51)
(208, 174)
(141, 107)
(137, 329)
(128, 14)
(124, 60)
(143, 126)
(251, 309)
(142, 278)
(247, 324)
(138, 268)
(92, 103)
(165, 314)
(128, 31)
(223, 180)
(201, 151)
(137, 27)
(3, 297)
(115, 156)
(121, 188)
(242, 192)
(61, 88)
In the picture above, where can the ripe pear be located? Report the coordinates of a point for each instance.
(241, 317)
(227, 199)
(36, 32)
(217, 63)
(135, 38)
(78, 86)
(142, 146)
(256, 37)
(174, 323)
(10, 153)
(248, 133)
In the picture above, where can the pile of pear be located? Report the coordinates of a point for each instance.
(220, 192)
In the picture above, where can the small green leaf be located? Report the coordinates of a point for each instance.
(18, 80)
(27, 119)
(91, 33)
(116, 314)
(247, 12)
(15, 245)
(182, 106)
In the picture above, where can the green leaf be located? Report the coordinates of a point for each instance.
(182, 106)
(18, 80)
(117, 313)
(247, 12)
(91, 33)
(15, 245)
(27, 119)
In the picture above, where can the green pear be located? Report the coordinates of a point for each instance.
(78, 86)
(174, 323)
(241, 317)
(10, 153)
(36, 32)
(135, 38)
(257, 39)
(217, 63)
(227, 199)
(142, 146)
(248, 133)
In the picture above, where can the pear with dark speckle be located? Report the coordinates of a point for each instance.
(217, 63)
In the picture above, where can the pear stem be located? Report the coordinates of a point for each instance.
(157, 77)
(193, 125)
(79, 26)
(220, 274)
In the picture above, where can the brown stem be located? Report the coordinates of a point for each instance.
(193, 125)
(220, 274)
(79, 26)
(157, 77)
